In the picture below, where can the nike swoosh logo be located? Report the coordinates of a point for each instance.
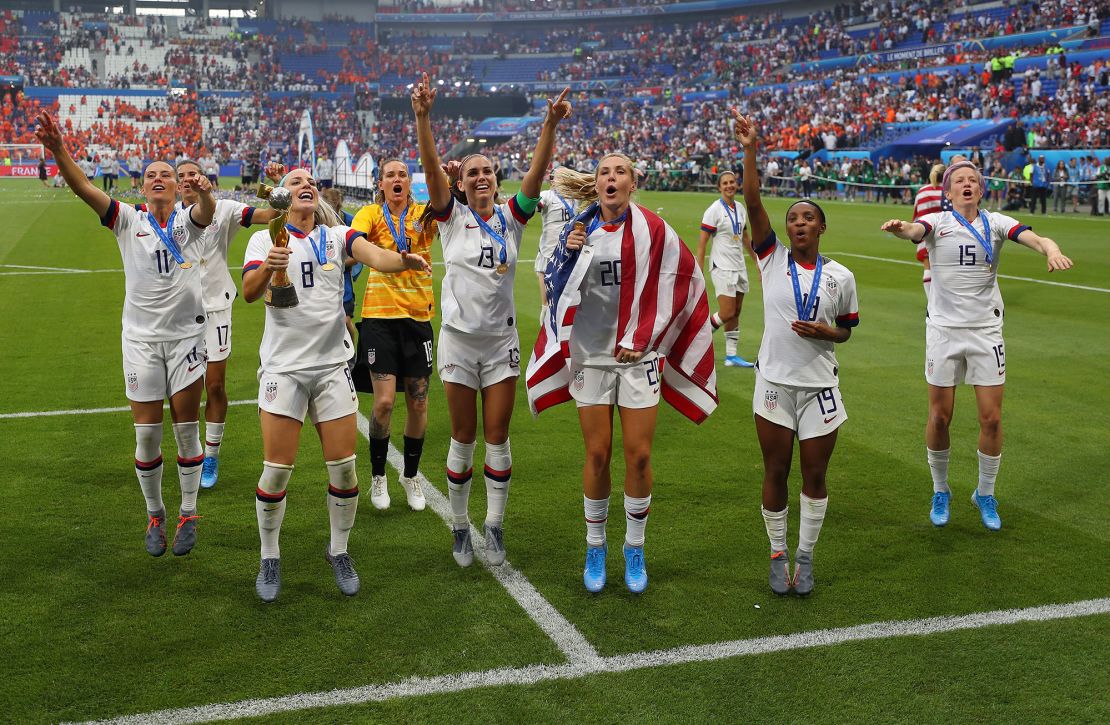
(142, 234)
(944, 234)
(342, 504)
(471, 227)
(223, 349)
(830, 418)
(1001, 373)
(194, 368)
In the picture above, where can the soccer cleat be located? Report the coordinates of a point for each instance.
(735, 361)
(268, 583)
(495, 545)
(939, 514)
(156, 533)
(379, 493)
(413, 492)
(593, 576)
(463, 550)
(635, 570)
(988, 510)
(780, 572)
(346, 578)
(186, 537)
(803, 573)
(210, 472)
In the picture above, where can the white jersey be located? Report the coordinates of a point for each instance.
(726, 227)
(594, 339)
(325, 169)
(314, 333)
(555, 212)
(965, 285)
(784, 357)
(88, 168)
(230, 217)
(134, 165)
(475, 297)
(211, 168)
(163, 301)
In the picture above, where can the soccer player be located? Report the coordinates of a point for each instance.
(809, 306)
(963, 332)
(135, 169)
(727, 223)
(163, 324)
(625, 293)
(219, 294)
(304, 370)
(395, 333)
(479, 350)
(555, 212)
(928, 200)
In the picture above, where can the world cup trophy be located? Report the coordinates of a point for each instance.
(280, 293)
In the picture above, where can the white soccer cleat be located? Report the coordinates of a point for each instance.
(379, 493)
(413, 493)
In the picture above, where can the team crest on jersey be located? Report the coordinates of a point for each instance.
(771, 399)
(371, 356)
(830, 284)
(449, 368)
(929, 367)
(329, 249)
(179, 234)
(579, 379)
(270, 391)
(132, 382)
(417, 226)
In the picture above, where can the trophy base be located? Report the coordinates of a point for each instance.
(281, 297)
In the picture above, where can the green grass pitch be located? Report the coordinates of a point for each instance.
(93, 627)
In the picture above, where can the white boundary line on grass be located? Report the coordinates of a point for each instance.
(423, 686)
(91, 411)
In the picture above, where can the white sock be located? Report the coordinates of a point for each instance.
(988, 472)
(812, 516)
(269, 505)
(342, 502)
(938, 466)
(148, 464)
(715, 321)
(597, 513)
(460, 471)
(189, 458)
(732, 341)
(498, 474)
(213, 436)
(775, 523)
(635, 519)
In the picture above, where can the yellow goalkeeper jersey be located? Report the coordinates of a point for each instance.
(392, 295)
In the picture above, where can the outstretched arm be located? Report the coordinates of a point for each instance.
(545, 146)
(50, 136)
(386, 260)
(1047, 247)
(439, 187)
(910, 231)
(757, 215)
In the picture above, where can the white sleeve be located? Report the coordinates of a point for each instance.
(847, 313)
(257, 249)
(709, 219)
(1006, 227)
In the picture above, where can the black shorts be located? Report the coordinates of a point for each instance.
(399, 347)
(325, 183)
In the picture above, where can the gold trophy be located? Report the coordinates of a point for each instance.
(280, 293)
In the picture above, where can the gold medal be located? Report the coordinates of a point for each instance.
(186, 265)
(502, 268)
(327, 266)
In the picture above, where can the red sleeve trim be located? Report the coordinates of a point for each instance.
(253, 264)
(767, 246)
(1016, 230)
(442, 216)
(517, 212)
(849, 320)
(247, 217)
(110, 215)
(707, 228)
(352, 235)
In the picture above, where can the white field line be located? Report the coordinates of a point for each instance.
(1001, 276)
(91, 411)
(566, 637)
(423, 686)
(50, 269)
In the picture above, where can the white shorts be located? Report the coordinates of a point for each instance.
(810, 412)
(728, 282)
(975, 356)
(476, 360)
(633, 385)
(541, 260)
(323, 393)
(218, 337)
(156, 370)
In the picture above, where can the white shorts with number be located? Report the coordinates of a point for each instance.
(219, 335)
(157, 370)
(975, 356)
(810, 412)
(476, 360)
(729, 283)
(322, 393)
(633, 385)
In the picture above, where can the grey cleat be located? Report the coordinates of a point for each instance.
(495, 545)
(803, 573)
(268, 583)
(463, 550)
(346, 578)
(186, 537)
(156, 533)
(780, 572)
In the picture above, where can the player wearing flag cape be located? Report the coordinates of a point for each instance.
(963, 330)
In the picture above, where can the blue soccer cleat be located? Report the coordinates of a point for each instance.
(988, 510)
(735, 361)
(939, 514)
(593, 576)
(209, 472)
(635, 570)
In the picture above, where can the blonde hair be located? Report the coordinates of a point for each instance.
(571, 184)
(324, 215)
(936, 173)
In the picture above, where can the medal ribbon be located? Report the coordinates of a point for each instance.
(317, 250)
(733, 217)
(806, 308)
(503, 257)
(566, 204)
(399, 239)
(166, 235)
(984, 238)
(597, 222)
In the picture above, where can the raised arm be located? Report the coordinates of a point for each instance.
(1047, 247)
(205, 207)
(50, 136)
(757, 215)
(439, 186)
(545, 145)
